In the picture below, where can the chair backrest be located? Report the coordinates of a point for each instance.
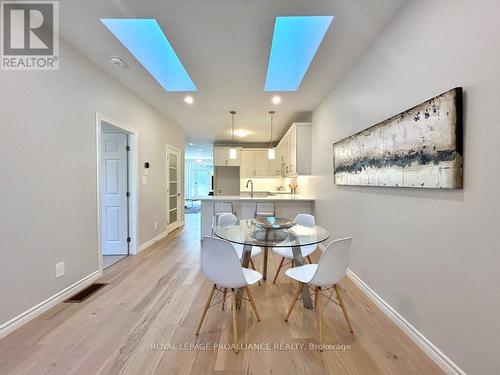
(333, 263)
(221, 207)
(264, 209)
(220, 263)
(305, 219)
(227, 219)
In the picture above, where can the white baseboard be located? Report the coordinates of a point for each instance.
(446, 364)
(151, 242)
(50, 302)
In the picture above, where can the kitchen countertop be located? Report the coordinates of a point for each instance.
(280, 197)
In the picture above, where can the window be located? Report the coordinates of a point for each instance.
(198, 178)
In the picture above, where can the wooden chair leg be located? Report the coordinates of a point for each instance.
(320, 317)
(278, 270)
(315, 297)
(342, 305)
(235, 322)
(252, 302)
(252, 264)
(205, 309)
(224, 294)
(309, 259)
(295, 298)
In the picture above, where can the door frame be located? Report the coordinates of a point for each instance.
(171, 227)
(133, 164)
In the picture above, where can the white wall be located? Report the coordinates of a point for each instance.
(432, 255)
(48, 174)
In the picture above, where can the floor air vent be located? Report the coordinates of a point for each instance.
(85, 293)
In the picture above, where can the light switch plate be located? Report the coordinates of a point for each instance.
(59, 270)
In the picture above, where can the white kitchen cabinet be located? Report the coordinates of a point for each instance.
(221, 157)
(262, 163)
(293, 156)
(296, 150)
(247, 167)
(275, 164)
(254, 163)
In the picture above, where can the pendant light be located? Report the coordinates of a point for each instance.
(271, 153)
(232, 150)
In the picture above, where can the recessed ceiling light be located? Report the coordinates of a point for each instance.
(276, 100)
(191, 144)
(146, 41)
(241, 133)
(295, 42)
(201, 150)
(199, 160)
(189, 99)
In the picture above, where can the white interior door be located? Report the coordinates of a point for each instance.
(173, 188)
(114, 187)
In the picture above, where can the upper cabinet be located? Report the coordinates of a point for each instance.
(254, 163)
(275, 164)
(221, 157)
(295, 150)
(293, 156)
(262, 163)
(247, 168)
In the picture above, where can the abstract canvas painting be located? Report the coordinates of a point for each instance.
(419, 148)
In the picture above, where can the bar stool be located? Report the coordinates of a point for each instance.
(264, 209)
(219, 209)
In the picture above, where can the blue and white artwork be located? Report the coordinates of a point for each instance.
(419, 148)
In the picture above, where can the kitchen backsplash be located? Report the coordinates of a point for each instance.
(271, 184)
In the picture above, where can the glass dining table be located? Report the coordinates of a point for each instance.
(250, 233)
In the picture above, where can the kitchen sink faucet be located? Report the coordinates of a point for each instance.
(251, 184)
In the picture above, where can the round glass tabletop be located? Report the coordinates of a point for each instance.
(249, 233)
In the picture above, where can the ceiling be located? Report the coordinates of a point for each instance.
(224, 45)
(202, 151)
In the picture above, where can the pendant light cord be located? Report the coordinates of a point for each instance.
(272, 116)
(232, 125)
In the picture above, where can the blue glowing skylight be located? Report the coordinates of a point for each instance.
(147, 43)
(295, 42)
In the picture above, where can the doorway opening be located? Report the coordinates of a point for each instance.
(116, 181)
(197, 183)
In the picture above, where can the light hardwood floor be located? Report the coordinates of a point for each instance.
(154, 300)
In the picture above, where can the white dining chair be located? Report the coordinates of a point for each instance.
(220, 264)
(324, 276)
(231, 219)
(286, 253)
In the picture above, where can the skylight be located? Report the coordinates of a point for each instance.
(148, 44)
(295, 42)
